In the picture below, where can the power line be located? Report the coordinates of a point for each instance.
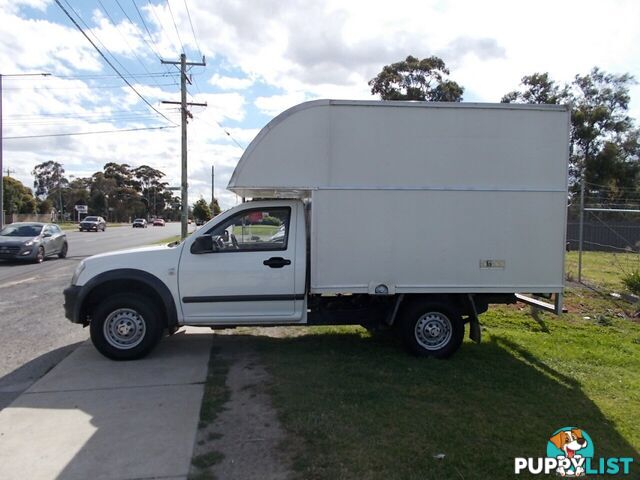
(124, 38)
(69, 134)
(111, 65)
(144, 24)
(95, 36)
(88, 86)
(195, 38)
(176, 26)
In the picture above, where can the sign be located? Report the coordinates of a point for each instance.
(82, 208)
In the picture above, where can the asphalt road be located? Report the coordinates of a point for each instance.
(34, 334)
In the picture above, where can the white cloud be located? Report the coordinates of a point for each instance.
(231, 83)
(276, 104)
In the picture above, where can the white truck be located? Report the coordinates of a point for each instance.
(412, 216)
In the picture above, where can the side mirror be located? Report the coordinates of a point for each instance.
(47, 234)
(203, 244)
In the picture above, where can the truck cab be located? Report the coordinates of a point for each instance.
(247, 265)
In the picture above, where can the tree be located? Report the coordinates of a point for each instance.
(415, 79)
(50, 181)
(215, 207)
(16, 197)
(201, 210)
(538, 88)
(604, 141)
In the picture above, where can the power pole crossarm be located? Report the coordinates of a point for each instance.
(184, 114)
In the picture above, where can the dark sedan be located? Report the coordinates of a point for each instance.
(32, 241)
(93, 223)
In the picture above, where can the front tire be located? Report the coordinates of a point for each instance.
(63, 252)
(432, 329)
(39, 255)
(125, 327)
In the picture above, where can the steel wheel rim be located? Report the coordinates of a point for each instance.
(124, 328)
(433, 330)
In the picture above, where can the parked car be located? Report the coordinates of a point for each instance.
(32, 241)
(199, 222)
(158, 222)
(139, 223)
(92, 223)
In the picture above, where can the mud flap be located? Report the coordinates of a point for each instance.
(474, 323)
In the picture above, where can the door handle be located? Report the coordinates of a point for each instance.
(277, 262)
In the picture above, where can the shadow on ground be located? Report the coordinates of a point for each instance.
(19, 380)
(359, 407)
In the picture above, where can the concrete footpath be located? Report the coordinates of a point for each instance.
(93, 418)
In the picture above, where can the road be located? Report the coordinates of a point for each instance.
(34, 334)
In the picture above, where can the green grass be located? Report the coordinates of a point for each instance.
(207, 460)
(216, 392)
(358, 407)
(602, 268)
(167, 240)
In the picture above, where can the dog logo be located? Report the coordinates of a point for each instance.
(574, 445)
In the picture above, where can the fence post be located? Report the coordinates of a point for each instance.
(581, 232)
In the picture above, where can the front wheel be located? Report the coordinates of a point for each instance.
(125, 327)
(432, 329)
(39, 255)
(63, 252)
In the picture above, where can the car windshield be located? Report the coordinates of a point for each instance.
(21, 231)
(90, 219)
(138, 220)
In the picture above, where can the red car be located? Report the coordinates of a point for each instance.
(158, 222)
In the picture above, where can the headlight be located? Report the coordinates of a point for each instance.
(30, 242)
(79, 269)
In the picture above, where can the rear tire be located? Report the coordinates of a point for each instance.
(125, 327)
(432, 329)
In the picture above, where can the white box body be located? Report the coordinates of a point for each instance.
(421, 197)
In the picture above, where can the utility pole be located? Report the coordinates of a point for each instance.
(9, 172)
(213, 188)
(1, 149)
(185, 113)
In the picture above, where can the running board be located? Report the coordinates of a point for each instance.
(555, 307)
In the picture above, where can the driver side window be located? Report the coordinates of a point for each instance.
(260, 229)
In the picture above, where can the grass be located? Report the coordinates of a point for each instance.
(362, 408)
(216, 394)
(357, 406)
(602, 268)
(167, 240)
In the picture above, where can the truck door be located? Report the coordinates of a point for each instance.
(249, 274)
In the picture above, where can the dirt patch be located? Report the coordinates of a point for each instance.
(245, 440)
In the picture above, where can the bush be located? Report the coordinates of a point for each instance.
(271, 221)
(632, 281)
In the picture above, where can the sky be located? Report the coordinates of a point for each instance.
(263, 57)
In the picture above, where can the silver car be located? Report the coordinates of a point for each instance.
(32, 241)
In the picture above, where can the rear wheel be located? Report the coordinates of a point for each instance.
(125, 327)
(432, 329)
(64, 250)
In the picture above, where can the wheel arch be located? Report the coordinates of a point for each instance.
(126, 280)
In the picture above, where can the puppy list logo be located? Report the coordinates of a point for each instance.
(570, 453)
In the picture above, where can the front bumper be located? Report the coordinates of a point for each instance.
(93, 226)
(71, 310)
(28, 253)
